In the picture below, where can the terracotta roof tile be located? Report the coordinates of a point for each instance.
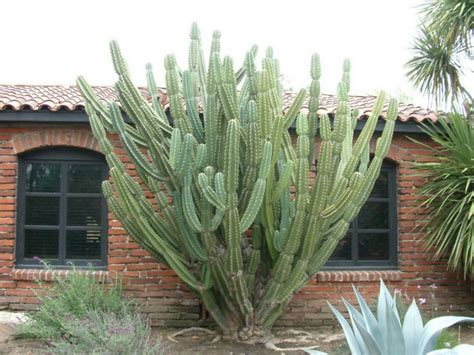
(55, 98)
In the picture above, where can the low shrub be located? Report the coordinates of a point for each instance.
(106, 333)
(72, 297)
(81, 315)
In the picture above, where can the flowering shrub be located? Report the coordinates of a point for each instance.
(72, 297)
(79, 315)
(106, 333)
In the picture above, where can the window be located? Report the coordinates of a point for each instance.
(62, 214)
(371, 240)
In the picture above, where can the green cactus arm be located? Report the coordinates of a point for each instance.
(217, 220)
(283, 283)
(231, 161)
(313, 105)
(288, 149)
(189, 208)
(209, 193)
(285, 220)
(93, 101)
(284, 180)
(211, 114)
(201, 157)
(251, 74)
(135, 218)
(197, 64)
(356, 201)
(130, 145)
(285, 259)
(234, 260)
(119, 212)
(136, 99)
(359, 149)
(189, 238)
(185, 157)
(270, 73)
(224, 78)
(258, 192)
(241, 73)
(175, 147)
(101, 109)
(190, 94)
(120, 66)
(152, 89)
(160, 156)
(364, 159)
(255, 256)
(252, 154)
(295, 108)
(181, 121)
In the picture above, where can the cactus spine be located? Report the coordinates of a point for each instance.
(221, 162)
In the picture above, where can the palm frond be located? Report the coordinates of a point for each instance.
(451, 19)
(435, 68)
(445, 37)
(450, 187)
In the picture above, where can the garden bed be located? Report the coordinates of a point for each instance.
(195, 344)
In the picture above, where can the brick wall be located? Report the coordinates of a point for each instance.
(167, 300)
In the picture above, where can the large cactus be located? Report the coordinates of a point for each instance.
(233, 212)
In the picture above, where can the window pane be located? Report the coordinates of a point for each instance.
(43, 244)
(381, 185)
(374, 215)
(42, 210)
(343, 249)
(43, 177)
(84, 211)
(83, 244)
(85, 178)
(373, 246)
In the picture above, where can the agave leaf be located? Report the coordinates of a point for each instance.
(387, 294)
(371, 345)
(350, 337)
(433, 328)
(354, 314)
(370, 322)
(395, 309)
(395, 342)
(412, 328)
(382, 316)
(458, 350)
(366, 341)
(315, 352)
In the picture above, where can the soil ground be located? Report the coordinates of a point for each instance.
(197, 344)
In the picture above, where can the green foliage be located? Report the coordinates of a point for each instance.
(386, 333)
(444, 38)
(226, 157)
(447, 339)
(71, 297)
(450, 187)
(106, 333)
(434, 69)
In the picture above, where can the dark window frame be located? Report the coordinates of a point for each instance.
(392, 262)
(62, 156)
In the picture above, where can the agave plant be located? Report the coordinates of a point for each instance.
(387, 334)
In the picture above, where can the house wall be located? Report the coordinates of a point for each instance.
(169, 302)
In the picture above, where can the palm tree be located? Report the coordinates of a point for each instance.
(444, 39)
